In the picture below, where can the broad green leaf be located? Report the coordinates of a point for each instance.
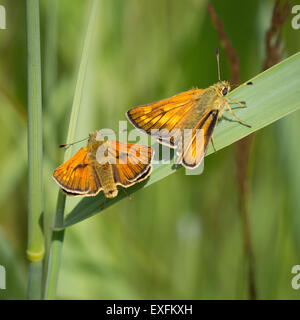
(274, 94)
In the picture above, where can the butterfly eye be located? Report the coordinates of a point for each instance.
(224, 91)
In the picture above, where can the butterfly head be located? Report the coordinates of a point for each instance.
(222, 88)
(92, 136)
(95, 140)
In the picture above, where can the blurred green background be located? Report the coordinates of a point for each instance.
(181, 238)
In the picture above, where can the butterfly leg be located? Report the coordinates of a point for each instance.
(103, 205)
(127, 194)
(241, 121)
(240, 103)
(213, 143)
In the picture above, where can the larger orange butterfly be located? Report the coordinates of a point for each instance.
(196, 111)
(104, 165)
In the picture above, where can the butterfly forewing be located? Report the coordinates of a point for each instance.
(164, 119)
(76, 176)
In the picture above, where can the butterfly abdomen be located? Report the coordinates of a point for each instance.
(106, 177)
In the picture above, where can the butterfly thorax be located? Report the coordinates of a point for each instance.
(210, 99)
(104, 170)
(217, 93)
(95, 141)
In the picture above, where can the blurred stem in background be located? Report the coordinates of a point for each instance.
(35, 246)
(274, 53)
(273, 45)
(55, 250)
(273, 56)
(243, 154)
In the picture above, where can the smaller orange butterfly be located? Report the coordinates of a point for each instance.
(102, 166)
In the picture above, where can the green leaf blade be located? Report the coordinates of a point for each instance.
(275, 93)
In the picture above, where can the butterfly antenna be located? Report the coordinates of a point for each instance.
(218, 63)
(67, 145)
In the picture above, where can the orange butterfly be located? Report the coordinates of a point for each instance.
(102, 166)
(195, 111)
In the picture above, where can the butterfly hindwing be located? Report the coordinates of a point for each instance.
(195, 148)
(132, 162)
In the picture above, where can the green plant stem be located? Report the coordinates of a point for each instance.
(49, 81)
(54, 259)
(35, 246)
(51, 43)
(244, 147)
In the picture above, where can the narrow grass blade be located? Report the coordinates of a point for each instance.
(57, 237)
(35, 246)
